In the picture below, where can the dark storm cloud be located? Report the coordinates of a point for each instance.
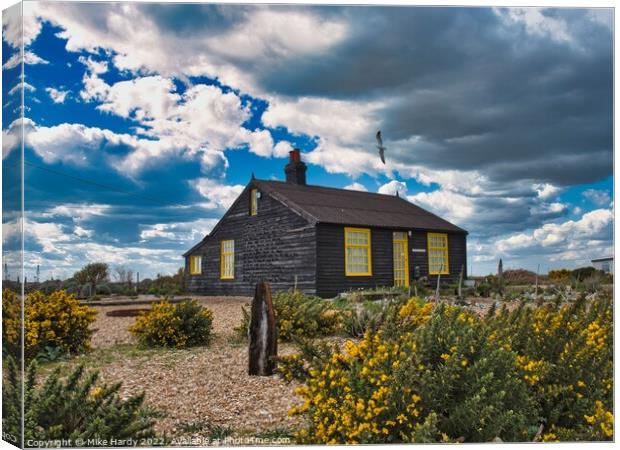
(484, 94)
(186, 20)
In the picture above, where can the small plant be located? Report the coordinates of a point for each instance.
(50, 354)
(219, 432)
(357, 321)
(277, 434)
(181, 325)
(194, 426)
(73, 408)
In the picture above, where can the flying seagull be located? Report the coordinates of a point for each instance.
(380, 147)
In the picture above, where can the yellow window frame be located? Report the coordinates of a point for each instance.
(195, 265)
(366, 246)
(433, 248)
(225, 254)
(253, 202)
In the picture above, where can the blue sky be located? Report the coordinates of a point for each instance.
(143, 123)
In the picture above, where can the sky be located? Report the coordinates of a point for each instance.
(143, 122)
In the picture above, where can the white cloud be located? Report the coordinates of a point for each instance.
(201, 123)
(277, 35)
(282, 149)
(178, 232)
(93, 66)
(549, 208)
(260, 143)
(77, 211)
(344, 131)
(567, 235)
(536, 22)
(29, 58)
(57, 96)
(12, 136)
(18, 88)
(515, 242)
(545, 190)
(140, 45)
(356, 187)
(596, 196)
(18, 22)
(218, 196)
(448, 204)
(392, 187)
(72, 143)
(81, 232)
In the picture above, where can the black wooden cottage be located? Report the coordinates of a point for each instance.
(322, 241)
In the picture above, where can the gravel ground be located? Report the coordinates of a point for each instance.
(198, 384)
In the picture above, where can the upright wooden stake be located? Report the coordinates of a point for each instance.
(263, 345)
(461, 282)
(537, 269)
(438, 281)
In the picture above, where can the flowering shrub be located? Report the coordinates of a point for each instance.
(299, 316)
(11, 323)
(444, 374)
(56, 321)
(565, 355)
(180, 325)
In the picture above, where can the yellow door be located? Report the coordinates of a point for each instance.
(401, 259)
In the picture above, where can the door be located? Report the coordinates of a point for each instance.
(401, 258)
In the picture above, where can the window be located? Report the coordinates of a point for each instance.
(438, 254)
(227, 260)
(358, 259)
(195, 265)
(253, 202)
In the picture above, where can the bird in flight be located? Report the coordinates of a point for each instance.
(380, 147)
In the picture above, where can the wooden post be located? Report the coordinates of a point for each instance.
(263, 339)
(438, 281)
(500, 277)
(461, 283)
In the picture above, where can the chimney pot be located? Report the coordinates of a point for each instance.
(294, 156)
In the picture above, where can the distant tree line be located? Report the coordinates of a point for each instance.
(98, 279)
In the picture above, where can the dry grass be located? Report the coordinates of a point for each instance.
(197, 385)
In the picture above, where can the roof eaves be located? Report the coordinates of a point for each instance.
(195, 246)
(435, 215)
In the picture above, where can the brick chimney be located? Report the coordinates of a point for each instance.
(295, 170)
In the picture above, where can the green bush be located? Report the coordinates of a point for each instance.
(72, 409)
(299, 316)
(185, 324)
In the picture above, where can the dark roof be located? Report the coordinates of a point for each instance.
(609, 258)
(347, 207)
